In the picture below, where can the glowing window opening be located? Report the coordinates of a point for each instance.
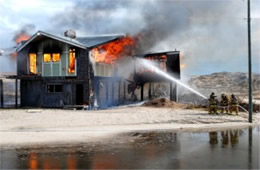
(72, 56)
(47, 57)
(32, 63)
(56, 57)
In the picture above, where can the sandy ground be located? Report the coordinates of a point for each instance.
(21, 127)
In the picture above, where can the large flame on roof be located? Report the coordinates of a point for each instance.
(110, 52)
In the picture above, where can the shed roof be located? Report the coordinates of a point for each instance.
(81, 42)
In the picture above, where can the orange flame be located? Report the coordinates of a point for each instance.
(32, 61)
(110, 52)
(181, 55)
(182, 66)
(72, 56)
(22, 37)
(13, 55)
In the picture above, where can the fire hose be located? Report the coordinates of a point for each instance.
(243, 108)
(223, 107)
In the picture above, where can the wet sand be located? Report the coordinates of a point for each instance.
(24, 127)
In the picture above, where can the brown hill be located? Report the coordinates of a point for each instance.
(226, 82)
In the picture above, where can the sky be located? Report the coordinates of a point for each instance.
(211, 34)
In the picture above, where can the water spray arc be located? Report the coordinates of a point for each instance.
(150, 65)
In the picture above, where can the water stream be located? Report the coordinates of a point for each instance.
(150, 65)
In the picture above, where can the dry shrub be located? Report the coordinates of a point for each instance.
(164, 102)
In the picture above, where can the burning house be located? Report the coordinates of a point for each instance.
(55, 71)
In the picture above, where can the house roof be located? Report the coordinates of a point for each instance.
(91, 42)
(157, 53)
(81, 42)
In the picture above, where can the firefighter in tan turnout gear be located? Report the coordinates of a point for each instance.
(234, 104)
(213, 104)
(224, 103)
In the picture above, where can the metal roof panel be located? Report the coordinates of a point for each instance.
(91, 42)
(81, 42)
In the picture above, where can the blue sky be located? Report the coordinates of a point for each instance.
(211, 34)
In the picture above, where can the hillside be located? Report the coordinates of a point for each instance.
(226, 82)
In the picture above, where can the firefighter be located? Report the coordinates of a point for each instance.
(92, 100)
(213, 103)
(131, 89)
(212, 95)
(234, 104)
(224, 103)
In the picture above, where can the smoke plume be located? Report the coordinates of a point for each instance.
(208, 32)
(200, 29)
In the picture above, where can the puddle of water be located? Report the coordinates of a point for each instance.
(230, 149)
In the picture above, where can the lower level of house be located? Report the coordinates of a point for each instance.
(104, 92)
(53, 92)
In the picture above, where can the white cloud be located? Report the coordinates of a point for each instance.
(27, 5)
(5, 22)
(17, 13)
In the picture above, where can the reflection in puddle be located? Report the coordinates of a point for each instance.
(228, 138)
(229, 149)
(33, 162)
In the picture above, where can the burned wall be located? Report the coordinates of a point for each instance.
(22, 61)
(173, 64)
(84, 70)
(109, 91)
(50, 92)
(51, 74)
(49, 66)
(31, 93)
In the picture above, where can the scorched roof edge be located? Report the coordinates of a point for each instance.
(81, 42)
(157, 53)
(59, 38)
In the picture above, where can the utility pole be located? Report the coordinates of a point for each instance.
(250, 105)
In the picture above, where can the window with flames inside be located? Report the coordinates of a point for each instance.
(32, 63)
(51, 57)
(160, 61)
(51, 60)
(72, 58)
(102, 68)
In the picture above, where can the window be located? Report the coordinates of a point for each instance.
(54, 88)
(50, 88)
(72, 56)
(48, 57)
(160, 62)
(32, 63)
(104, 70)
(56, 57)
(58, 88)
